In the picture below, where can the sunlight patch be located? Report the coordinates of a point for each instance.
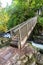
(4, 3)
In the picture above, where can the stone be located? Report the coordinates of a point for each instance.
(19, 62)
(25, 60)
(8, 63)
(33, 63)
(30, 55)
(22, 57)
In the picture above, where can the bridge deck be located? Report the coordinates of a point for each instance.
(7, 55)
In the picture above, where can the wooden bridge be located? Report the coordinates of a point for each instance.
(21, 32)
(19, 35)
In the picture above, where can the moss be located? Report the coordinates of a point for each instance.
(4, 42)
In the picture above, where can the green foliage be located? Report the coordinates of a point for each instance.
(18, 12)
(39, 26)
(31, 13)
(41, 14)
(3, 20)
(40, 21)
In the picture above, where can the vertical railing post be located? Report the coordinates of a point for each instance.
(19, 43)
(27, 29)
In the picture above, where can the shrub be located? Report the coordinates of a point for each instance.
(31, 13)
(42, 14)
(40, 21)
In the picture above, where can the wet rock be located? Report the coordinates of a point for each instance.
(30, 55)
(22, 57)
(19, 62)
(34, 63)
(25, 60)
(39, 59)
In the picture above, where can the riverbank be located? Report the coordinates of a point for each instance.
(28, 55)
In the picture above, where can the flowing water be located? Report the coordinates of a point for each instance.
(40, 46)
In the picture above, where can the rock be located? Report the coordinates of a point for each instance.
(39, 59)
(8, 63)
(25, 60)
(0, 42)
(19, 62)
(22, 57)
(33, 63)
(30, 55)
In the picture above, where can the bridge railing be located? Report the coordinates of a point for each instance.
(22, 31)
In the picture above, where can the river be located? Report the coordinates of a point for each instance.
(40, 46)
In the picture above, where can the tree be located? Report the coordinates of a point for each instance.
(19, 11)
(3, 20)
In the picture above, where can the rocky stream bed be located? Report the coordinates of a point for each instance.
(28, 55)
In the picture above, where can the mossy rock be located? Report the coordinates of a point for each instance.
(4, 42)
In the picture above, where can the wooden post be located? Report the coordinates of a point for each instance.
(19, 43)
(27, 29)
